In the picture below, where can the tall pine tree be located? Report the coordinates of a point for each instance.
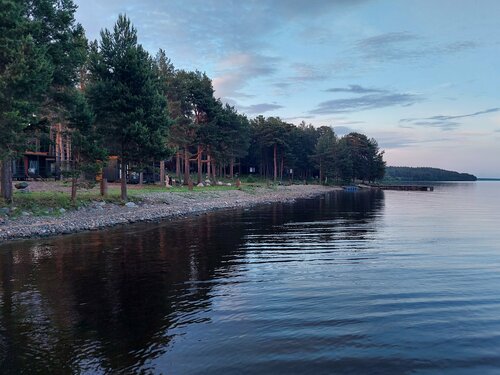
(131, 113)
(25, 73)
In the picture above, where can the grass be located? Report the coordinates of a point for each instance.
(48, 203)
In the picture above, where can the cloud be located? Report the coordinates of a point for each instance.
(365, 102)
(236, 70)
(255, 109)
(403, 45)
(282, 85)
(395, 139)
(203, 28)
(307, 117)
(343, 130)
(386, 40)
(443, 125)
(355, 89)
(443, 122)
(307, 72)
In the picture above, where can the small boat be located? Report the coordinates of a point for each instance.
(351, 188)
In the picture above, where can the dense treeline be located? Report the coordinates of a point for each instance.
(426, 174)
(111, 97)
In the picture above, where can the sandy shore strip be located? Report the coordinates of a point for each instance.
(153, 207)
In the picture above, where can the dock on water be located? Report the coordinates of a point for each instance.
(406, 187)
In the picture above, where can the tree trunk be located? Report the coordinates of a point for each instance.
(231, 169)
(320, 172)
(209, 160)
(74, 185)
(214, 170)
(275, 162)
(104, 187)
(282, 166)
(186, 166)
(124, 181)
(141, 178)
(162, 173)
(199, 163)
(178, 164)
(7, 180)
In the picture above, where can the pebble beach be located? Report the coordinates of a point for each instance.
(152, 207)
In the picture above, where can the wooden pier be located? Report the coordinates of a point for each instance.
(406, 187)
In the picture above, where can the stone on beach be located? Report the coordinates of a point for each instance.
(154, 206)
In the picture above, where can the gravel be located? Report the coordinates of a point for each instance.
(153, 207)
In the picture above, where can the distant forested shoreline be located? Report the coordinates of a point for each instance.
(425, 174)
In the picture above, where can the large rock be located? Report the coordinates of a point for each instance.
(200, 185)
(130, 204)
(21, 185)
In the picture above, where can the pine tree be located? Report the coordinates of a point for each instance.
(131, 113)
(324, 153)
(88, 152)
(25, 73)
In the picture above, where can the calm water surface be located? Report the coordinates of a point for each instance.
(375, 282)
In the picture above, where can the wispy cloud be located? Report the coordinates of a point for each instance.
(443, 122)
(259, 108)
(366, 102)
(404, 45)
(236, 70)
(395, 139)
(206, 27)
(355, 89)
(308, 72)
(343, 130)
(440, 124)
(307, 117)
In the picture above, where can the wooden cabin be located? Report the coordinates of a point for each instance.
(45, 158)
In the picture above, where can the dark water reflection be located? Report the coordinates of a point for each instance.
(346, 283)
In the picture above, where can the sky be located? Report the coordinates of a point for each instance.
(421, 77)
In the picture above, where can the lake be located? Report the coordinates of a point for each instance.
(366, 282)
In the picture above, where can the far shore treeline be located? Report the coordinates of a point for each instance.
(425, 174)
(110, 97)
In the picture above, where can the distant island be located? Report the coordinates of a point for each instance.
(425, 174)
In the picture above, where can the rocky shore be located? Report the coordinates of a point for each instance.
(153, 207)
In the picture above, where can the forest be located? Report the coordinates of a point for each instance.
(111, 97)
(426, 174)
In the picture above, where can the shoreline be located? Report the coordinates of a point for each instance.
(153, 207)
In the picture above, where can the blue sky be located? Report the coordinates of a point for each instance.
(421, 77)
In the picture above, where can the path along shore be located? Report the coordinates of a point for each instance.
(153, 207)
